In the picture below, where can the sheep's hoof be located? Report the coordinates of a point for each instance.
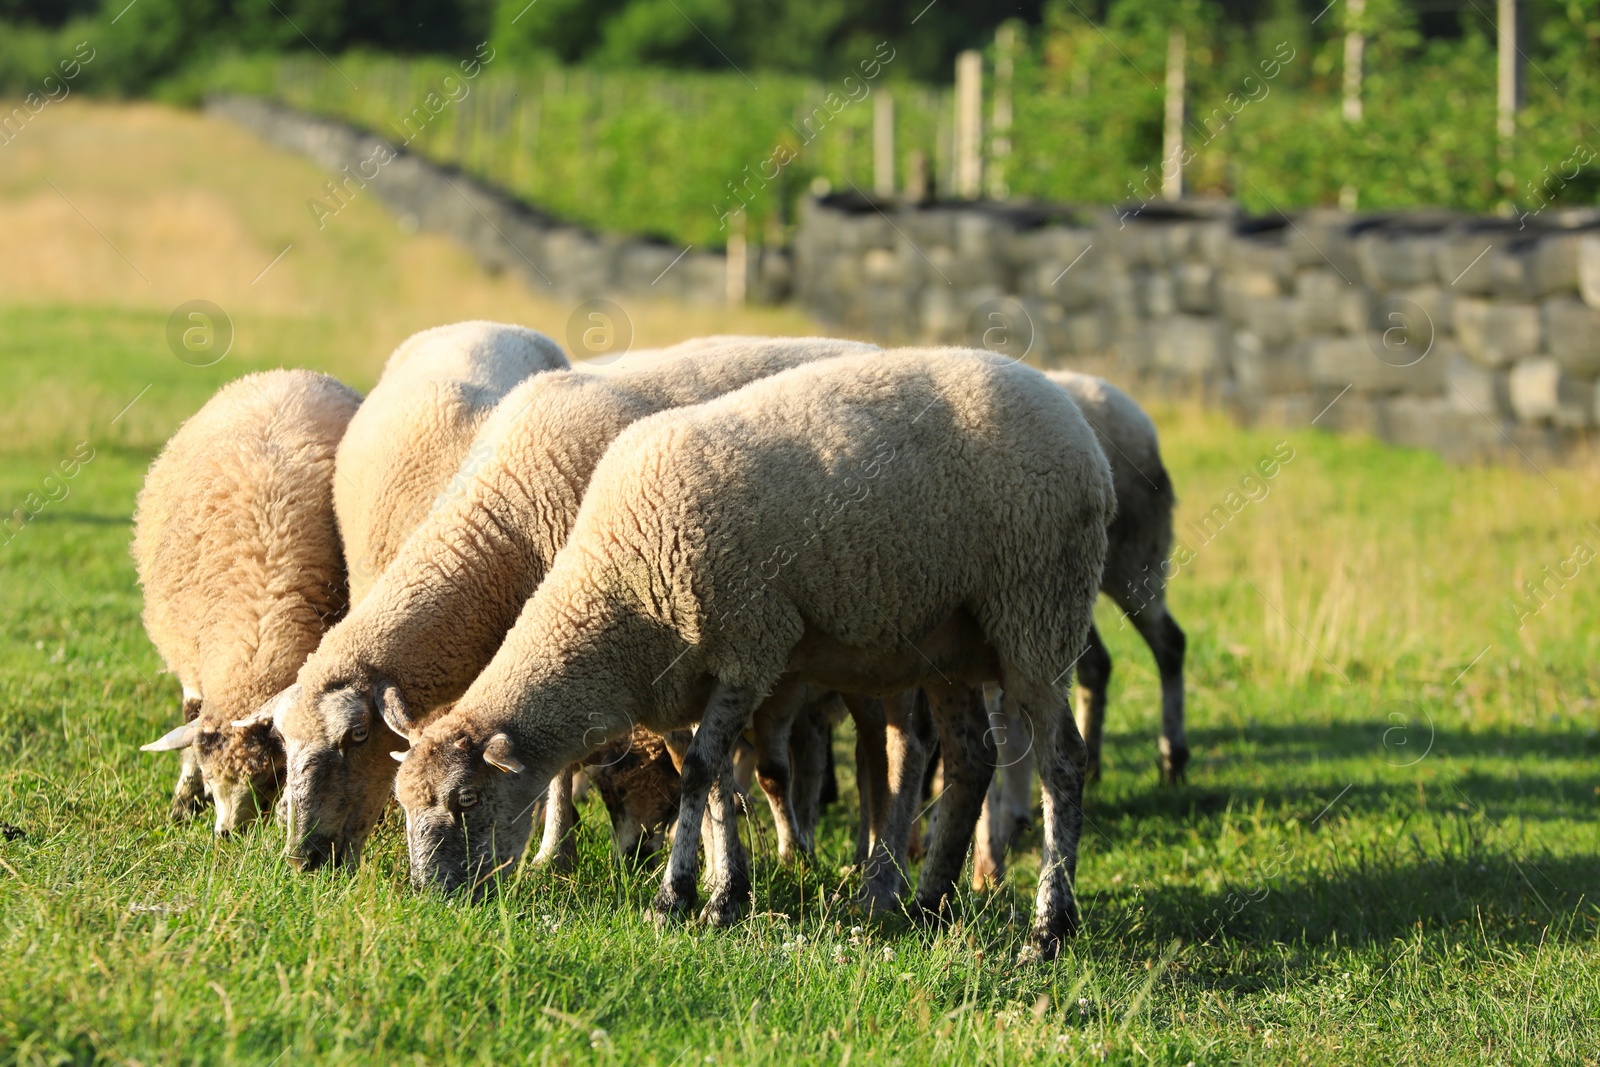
(879, 893)
(670, 906)
(726, 907)
(1174, 765)
(1046, 938)
(931, 913)
(562, 860)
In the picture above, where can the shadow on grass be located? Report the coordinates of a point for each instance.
(1495, 896)
(1544, 778)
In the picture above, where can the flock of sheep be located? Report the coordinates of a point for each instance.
(501, 573)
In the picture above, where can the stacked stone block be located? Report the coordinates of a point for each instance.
(1475, 337)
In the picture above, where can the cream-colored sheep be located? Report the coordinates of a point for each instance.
(867, 524)
(437, 615)
(1135, 579)
(236, 547)
(411, 435)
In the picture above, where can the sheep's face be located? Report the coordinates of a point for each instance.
(469, 810)
(243, 768)
(639, 784)
(339, 769)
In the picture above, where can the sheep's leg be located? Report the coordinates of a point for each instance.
(744, 763)
(908, 744)
(1008, 807)
(774, 724)
(809, 750)
(1062, 768)
(1094, 676)
(872, 772)
(728, 866)
(705, 768)
(968, 751)
(1014, 757)
(559, 848)
(1167, 644)
(189, 797)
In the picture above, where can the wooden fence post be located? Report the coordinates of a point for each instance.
(883, 144)
(1509, 87)
(737, 259)
(1005, 43)
(1354, 47)
(969, 125)
(1172, 132)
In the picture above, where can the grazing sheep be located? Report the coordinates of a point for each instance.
(689, 590)
(438, 613)
(1135, 579)
(236, 547)
(414, 430)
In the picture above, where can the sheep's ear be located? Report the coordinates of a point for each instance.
(182, 737)
(392, 707)
(399, 755)
(497, 753)
(276, 708)
(267, 714)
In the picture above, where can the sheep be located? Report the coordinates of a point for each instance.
(1135, 579)
(414, 429)
(957, 505)
(236, 548)
(438, 613)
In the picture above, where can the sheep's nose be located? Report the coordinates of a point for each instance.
(309, 855)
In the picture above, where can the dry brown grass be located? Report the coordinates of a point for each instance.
(145, 207)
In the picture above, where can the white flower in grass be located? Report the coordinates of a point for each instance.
(839, 956)
(598, 1037)
(888, 954)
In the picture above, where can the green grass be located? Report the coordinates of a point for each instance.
(1388, 850)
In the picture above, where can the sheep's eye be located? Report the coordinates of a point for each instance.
(467, 798)
(358, 732)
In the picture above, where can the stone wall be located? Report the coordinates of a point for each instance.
(1479, 338)
(1476, 337)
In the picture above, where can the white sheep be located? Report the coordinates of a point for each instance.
(867, 524)
(236, 547)
(413, 431)
(1135, 579)
(438, 613)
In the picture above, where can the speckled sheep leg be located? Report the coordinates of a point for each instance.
(1009, 803)
(968, 752)
(908, 744)
(559, 848)
(1061, 772)
(774, 723)
(1094, 677)
(704, 766)
(728, 865)
(189, 798)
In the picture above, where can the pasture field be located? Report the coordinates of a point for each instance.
(1388, 848)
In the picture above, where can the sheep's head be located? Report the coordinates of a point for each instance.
(639, 783)
(469, 808)
(241, 765)
(337, 740)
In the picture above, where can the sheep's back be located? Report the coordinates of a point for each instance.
(865, 496)
(235, 541)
